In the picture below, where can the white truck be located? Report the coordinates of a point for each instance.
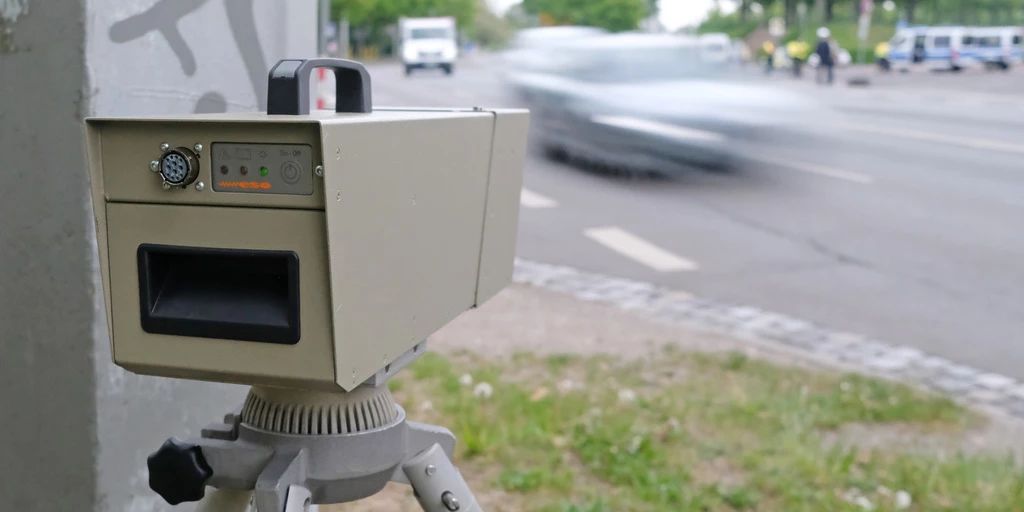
(428, 43)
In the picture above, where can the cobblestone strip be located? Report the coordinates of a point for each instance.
(748, 323)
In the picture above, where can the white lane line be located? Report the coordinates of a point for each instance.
(820, 170)
(531, 199)
(638, 249)
(956, 140)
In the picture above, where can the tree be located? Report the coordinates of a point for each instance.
(614, 15)
(911, 7)
(789, 12)
(370, 18)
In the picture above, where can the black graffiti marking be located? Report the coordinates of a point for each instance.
(243, 30)
(211, 102)
(163, 17)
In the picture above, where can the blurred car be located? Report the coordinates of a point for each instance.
(716, 48)
(647, 103)
(527, 49)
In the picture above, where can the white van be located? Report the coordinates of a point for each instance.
(428, 43)
(996, 47)
(933, 48)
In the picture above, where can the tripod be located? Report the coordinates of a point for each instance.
(287, 450)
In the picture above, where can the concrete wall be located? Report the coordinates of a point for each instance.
(78, 429)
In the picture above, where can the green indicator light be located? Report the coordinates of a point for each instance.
(264, 171)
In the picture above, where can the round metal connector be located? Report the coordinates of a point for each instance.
(179, 167)
(450, 502)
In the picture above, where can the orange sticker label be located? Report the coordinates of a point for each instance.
(245, 185)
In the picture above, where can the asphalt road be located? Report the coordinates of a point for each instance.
(900, 218)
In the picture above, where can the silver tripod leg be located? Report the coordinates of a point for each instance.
(228, 500)
(439, 487)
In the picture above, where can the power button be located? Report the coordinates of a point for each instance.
(291, 171)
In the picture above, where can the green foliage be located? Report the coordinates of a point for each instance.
(730, 24)
(376, 13)
(489, 30)
(698, 432)
(614, 15)
(370, 19)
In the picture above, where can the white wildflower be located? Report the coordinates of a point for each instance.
(855, 497)
(634, 444)
(427, 405)
(903, 500)
(483, 390)
(466, 380)
(627, 395)
(864, 503)
(566, 385)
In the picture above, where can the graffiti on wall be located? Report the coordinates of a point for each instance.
(166, 17)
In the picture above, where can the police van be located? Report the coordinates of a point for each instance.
(932, 48)
(996, 47)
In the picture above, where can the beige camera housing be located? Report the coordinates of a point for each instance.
(345, 241)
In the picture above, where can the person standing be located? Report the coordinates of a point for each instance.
(826, 57)
(768, 52)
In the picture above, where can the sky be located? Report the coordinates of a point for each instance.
(674, 14)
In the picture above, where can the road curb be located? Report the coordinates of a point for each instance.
(964, 383)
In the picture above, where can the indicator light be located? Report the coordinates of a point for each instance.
(264, 171)
(244, 170)
(223, 169)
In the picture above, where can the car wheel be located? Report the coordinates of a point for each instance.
(556, 153)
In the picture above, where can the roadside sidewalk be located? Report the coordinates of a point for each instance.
(513, 342)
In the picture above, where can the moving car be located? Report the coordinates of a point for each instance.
(428, 43)
(717, 48)
(646, 103)
(529, 49)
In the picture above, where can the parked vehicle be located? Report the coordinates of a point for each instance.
(428, 43)
(646, 103)
(932, 48)
(996, 47)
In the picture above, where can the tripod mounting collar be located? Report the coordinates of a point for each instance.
(300, 412)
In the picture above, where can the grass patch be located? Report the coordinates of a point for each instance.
(694, 432)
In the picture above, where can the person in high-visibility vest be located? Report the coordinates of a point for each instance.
(882, 56)
(798, 52)
(768, 53)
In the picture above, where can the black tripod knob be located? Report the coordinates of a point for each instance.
(178, 472)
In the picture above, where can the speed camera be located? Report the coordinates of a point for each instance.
(297, 249)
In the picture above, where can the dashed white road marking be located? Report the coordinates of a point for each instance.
(531, 199)
(820, 170)
(639, 250)
(956, 140)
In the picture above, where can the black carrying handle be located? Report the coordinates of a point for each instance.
(288, 86)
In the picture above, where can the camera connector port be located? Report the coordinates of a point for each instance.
(179, 167)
